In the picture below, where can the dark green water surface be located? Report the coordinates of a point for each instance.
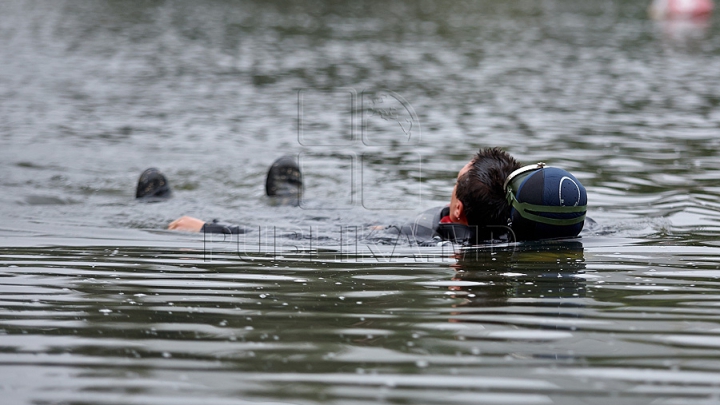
(384, 101)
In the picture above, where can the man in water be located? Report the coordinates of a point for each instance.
(497, 198)
(493, 196)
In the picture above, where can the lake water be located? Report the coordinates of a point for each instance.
(384, 101)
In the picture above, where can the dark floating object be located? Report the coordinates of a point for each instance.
(153, 185)
(284, 178)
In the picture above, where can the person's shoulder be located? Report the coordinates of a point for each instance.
(424, 226)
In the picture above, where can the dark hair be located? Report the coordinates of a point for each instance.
(480, 189)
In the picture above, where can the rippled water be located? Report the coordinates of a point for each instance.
(384, 102)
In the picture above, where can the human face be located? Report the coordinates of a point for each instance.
(457, 212)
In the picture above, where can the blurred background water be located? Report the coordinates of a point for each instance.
(384, 101)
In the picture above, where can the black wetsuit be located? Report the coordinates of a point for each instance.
(433, 226)
(216, 227)
(427, 228)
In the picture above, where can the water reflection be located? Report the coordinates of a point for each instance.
(496, 284)
(541, 270)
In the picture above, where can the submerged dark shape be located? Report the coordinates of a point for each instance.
(153, 185)
(284, 178)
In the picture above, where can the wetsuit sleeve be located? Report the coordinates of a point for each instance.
(215, 227)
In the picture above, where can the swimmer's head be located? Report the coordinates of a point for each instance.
(479, 189)
(153, 185)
